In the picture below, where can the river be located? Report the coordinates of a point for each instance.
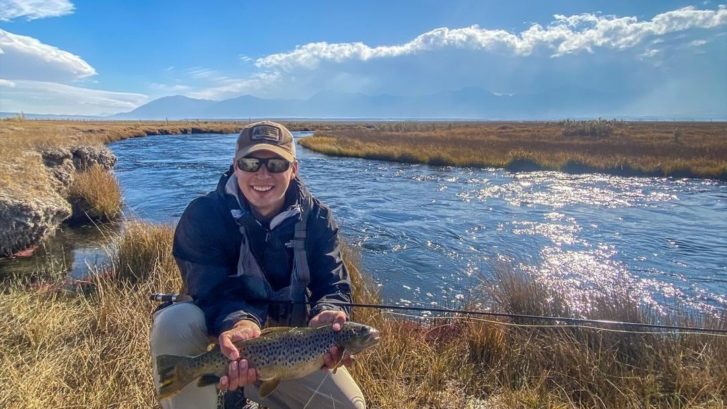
(428, 235)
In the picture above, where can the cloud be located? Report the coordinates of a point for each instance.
(26, 58)
(261, 84)
(34, 9)
(565, 35)
(51, 97)
(697, 43)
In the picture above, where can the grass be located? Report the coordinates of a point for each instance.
(89, 348)
(687, 149)
(95, 195)
(22, 173)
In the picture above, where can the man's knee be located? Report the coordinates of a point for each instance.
(179, 328)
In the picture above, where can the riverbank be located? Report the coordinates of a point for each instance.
(677, 149)
(39, 161)
(86, 345)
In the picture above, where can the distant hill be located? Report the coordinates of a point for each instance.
(466, 103)
(5, 115)
(574, 102)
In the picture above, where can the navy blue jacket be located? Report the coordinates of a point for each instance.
(207, 246)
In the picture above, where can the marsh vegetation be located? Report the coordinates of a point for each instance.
(85, 344)
(688, 149)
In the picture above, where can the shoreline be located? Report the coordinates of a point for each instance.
(648, 149)
(40, 158)
(40, 161)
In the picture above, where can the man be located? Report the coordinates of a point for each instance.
(260, 236)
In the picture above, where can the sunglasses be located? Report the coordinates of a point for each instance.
(273, 165)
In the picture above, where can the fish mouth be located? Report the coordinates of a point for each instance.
(373, 338)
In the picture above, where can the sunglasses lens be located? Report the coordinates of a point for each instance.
(248, 164)
(277, 165)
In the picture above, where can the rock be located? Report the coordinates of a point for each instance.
(86, 156)
(59, 163)
(26, 223)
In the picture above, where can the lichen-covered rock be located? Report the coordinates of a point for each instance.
(26, 223)
(86, 156)
(59, 163)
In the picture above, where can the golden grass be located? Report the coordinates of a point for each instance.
(22, 174)
(89, 348)
(689, 149)
(95, 195)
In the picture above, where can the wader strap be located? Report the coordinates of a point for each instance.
(299, 255)
(301, 275)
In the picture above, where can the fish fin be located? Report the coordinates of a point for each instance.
(208, 379)
(173, 374)
(339, 363)
(273, 330)
(267, 387)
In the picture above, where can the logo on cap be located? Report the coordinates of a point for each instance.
(265, 133)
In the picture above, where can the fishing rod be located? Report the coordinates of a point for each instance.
(178, 298)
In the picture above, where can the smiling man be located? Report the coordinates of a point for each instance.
(259, 237)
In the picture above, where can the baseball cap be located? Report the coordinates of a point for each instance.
(265, 136)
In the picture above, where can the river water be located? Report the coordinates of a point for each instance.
(430, 234)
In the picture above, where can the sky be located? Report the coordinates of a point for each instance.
(659, 58)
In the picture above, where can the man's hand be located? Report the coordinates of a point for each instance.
(239, 373)
(334, 357)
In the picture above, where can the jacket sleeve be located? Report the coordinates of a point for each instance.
(206, 258)
(330, 281)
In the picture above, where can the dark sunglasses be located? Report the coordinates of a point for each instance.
(274, 165)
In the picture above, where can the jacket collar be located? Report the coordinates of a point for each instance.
(242, 208)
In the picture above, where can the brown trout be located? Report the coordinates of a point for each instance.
(278, 354)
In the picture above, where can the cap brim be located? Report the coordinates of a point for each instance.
(265, 147)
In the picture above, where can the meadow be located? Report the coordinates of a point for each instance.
(85, 344)
(678, 149)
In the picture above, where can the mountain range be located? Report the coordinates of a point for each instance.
(466, 103)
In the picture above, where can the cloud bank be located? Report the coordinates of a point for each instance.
(565, 35)
(27, 58)
(52, 97)
(34, 76)
(34, 9)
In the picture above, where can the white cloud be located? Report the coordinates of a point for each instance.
(649, 53)
(259, 84)
(26, 58)
(697, 43)
(49, 97)
(565, 35)
(34, 9)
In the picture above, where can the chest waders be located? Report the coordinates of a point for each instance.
(291, 310)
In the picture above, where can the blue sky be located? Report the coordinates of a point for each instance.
(658, 58)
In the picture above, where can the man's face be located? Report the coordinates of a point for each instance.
(264, 190)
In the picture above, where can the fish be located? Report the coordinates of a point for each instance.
(279, 353)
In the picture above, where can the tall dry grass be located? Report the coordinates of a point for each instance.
(89, 348)
(95, 195)
(693, 149)
(22, 173)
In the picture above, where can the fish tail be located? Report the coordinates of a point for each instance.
(174, 374)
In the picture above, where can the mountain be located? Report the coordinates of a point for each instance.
(175, 107)
(467, 104)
